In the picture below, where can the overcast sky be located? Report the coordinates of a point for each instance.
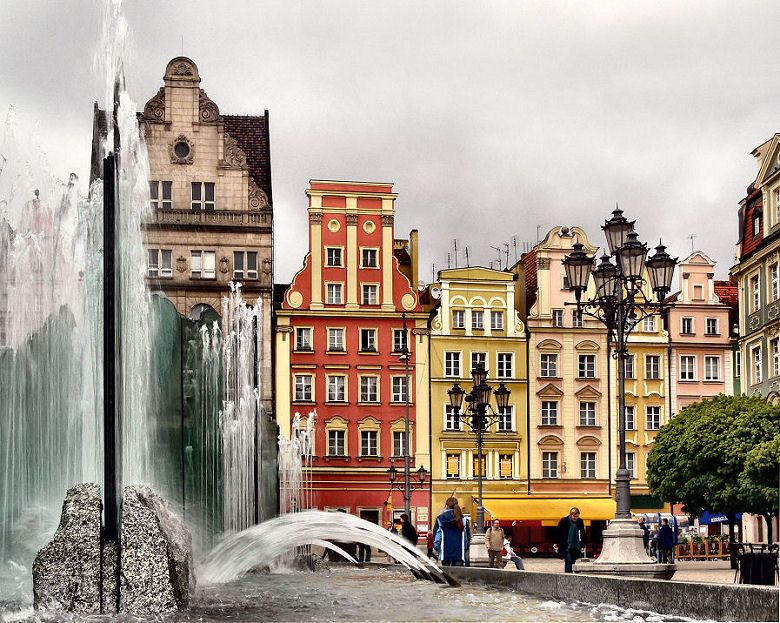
(492, 119)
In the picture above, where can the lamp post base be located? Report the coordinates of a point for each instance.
(478, 556)
(623, 553)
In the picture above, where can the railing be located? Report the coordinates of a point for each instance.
(217, 218)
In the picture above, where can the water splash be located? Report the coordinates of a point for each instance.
(262, 544)
(295, 458)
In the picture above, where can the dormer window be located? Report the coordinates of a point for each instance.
(756, 225)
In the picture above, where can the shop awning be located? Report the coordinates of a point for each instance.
(549, 510)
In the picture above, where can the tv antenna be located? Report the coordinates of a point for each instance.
(455, 248)
(514, 244)
(691, 237)
(466, 251)
(498, 249)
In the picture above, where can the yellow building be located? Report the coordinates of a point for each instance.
(475, 323)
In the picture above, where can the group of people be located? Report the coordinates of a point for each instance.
(663, 541)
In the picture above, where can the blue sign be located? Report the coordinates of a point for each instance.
(708, 517)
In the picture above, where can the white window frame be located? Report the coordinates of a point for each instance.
(708, 370)
(399, 443)
(160, 194)
(586, 366)
(335, 261)
(336, 339)
(630, 417)
(201, 202)
(629, 368)
(711, 326)
(506, 419)
(452, 360)
(303, 338)
(587, 413)
(548, 366)
(451, 418)
(337, 442)
(557, 317)
(687, 367)
(653, 417)
(754, 290)
(479, 359)
(648, 324)
(549, 413)
(161, 269)
(304, 388)
(497, 320)
(653, 367)
(337, 388)
(369, 443)
(774, 349)
(203, 264)
(577, 319)
(587, 465)
(687, 326)
(549, 465)
(369, 388)
(370, 251)
(245, 271)
(369, 293)
(368, 340)
(631, 464)
(400, 389)
(334, 293)
(758, 368)
(774, 280)
(505, 364)
(477, 320)
(458, 319)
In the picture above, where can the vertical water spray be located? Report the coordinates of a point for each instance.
(295, 458)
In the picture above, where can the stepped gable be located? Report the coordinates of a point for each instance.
(251, 134)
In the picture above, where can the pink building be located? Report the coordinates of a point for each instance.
(698, 325)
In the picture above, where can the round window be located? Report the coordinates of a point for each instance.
(182, 150)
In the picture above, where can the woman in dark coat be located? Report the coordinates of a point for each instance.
(407, 529)
(571, 538)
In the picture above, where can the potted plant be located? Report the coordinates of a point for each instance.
(698, 549)
(684, 548)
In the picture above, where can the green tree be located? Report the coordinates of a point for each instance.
(721, 454)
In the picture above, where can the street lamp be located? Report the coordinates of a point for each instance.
(407, 459)
(479, 415)
(620, 304)
(392, 474)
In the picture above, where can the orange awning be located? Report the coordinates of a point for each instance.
(549, 510)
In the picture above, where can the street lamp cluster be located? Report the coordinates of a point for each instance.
(620, 303)
(479, 416)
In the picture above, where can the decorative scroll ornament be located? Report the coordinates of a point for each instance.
(209, 112)
(519, 326)
(183, 68)
(155, 107)
(234, 156)
(352, 220)
(408, 301)
(224, 264)
(436, 323)
(258, 200)
(180, 149)
(181, 263)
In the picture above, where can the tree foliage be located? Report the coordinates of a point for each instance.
(721, 454)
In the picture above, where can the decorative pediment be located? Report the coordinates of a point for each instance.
(550, 390)
(208, 110)
(654, 395)
(586, 345)
(232, 155)
(258, 200)
(588, 392)
(369, 423)
(399, 424)
(336, 422)
(550, 440)
(549, 345)
(154, 110)
(588, 441)
(771, 163)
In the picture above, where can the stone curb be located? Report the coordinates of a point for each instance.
(718, 602)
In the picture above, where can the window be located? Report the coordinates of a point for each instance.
(337, 388)
(302, 338)
(630, 419)
(161, 195)
(757, 372)
(549, 413)
(160, 263)
(549, 464)
(203, 265)
(368, 258)
(333, 256)
(653, 418)
(452, 364)
(368, 340)
(504, 366)
(451, 419)
(505, 466)
(577, 319)
(652, 367)
(686, 326)
(549, 365)
(698, 293)
(203, 196)
(773, 278)
(400, 342)
(774, 348)
(335, 339)
(337, 443)
(453, 466)
(505, 419)
(496, 320)
(479, 465)
(566, 285)
(557, 317)
(688, 368)
(244, 265)
(629, 367)
(399, 445)
(479, 360)
(370, 294)
(458, 319)
(477, 320)
(648, 324)
(738, 363)
(587, 414)
(369, 389)
(631, 464)
(712, 368)
(334, 293)
(369, 445)
(400, 389)
(303, 387)
(755, 296)
(587, 464)
(756, 226)
(587, 368)
(712, 326)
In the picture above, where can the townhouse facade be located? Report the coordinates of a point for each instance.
(475, 324)
(339, 338)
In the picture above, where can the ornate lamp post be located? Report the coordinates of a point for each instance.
(621, 304)
(406, 486)
(479, 416)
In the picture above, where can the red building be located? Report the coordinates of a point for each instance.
(339, 337)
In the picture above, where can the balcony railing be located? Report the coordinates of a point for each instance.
(216, 218)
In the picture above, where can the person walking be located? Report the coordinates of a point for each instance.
(645, 533)
(571, 538)
(494, 542)
(665, 542)
(509, 554)
(429, 543)
(450, 535)
(407, 530)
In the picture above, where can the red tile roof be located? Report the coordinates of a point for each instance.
(728, 293)
(529, 259)
(251, 134)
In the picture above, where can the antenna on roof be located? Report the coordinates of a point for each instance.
(449, 265)
(433, 272)
(691, 237)
(182, 44)
(514, 244)
(506, 253)
(466, 251)
(499, 256)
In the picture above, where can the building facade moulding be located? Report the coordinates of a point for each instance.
(550, 440)
(550, 390)
(207, 109)
(543, 263)
(315, 218)
(181, 150)
(154, 110)
(233, 156)
(588, 440)
(387, 220)
(284, 329)
(258, 200)
(352, 220)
